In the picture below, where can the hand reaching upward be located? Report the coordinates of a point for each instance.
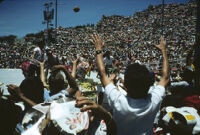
(162, 45)
(96, 40)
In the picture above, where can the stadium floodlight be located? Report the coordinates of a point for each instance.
(48, 14)
(163, 7)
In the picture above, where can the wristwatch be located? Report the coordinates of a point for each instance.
(98, 51)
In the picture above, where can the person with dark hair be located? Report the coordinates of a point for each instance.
(51, 61)
(188, 76)
(108, 59)
(57, 84)
(30, 91)
(32, 88)
(137, 80)
(38, 56)
(134, 113)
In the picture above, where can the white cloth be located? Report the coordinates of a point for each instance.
(134, 116)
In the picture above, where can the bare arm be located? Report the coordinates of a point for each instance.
(42, 74)
(16, 93)
(32, 58)
(74, 67)
(165, 67)
(96, 40)
(27, 100)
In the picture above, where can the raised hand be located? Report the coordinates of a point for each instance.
(87, 104)
(75, 60)
(165, 66)
(96, 40)
(112, 77)
(162, 45)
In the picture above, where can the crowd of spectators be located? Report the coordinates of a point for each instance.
(127, 38)
(143, 102)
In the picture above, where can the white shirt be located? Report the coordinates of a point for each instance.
(134, 116)
(39, 55)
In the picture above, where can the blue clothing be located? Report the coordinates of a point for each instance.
(49, 97)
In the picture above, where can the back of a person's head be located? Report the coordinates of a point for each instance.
(188, 75)
(32, 88)
(137, 80)
(56, 82)
(107, 54)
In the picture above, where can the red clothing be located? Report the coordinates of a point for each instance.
(193, 101)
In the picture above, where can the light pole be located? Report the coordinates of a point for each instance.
(48, 17)
(56, 19)
(163, 7)
(56, 6)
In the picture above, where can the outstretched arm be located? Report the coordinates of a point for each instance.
(165, 67)
(96, 40)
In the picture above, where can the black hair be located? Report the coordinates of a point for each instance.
(137, 80)
(32, 88)
(188, 75)
(56, 82)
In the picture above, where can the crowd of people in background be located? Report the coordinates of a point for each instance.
(152, 98)
(127, 38)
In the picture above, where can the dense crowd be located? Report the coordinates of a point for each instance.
(128, 38)
(156, 95)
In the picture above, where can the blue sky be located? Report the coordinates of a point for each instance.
(20, 17)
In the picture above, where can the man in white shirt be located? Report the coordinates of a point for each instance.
(38, 56)
(134, 113)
